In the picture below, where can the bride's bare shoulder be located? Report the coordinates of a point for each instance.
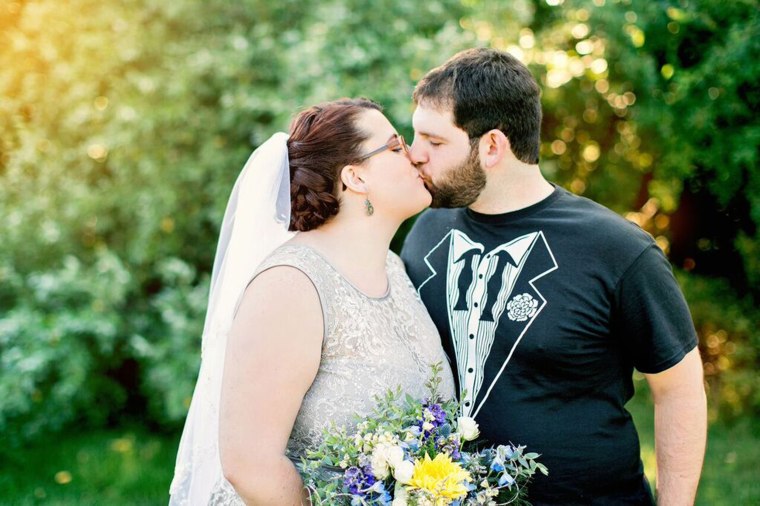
(281, 299)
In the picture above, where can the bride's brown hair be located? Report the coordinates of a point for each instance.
(323, 139)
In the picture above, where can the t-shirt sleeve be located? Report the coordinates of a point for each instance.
(651, 316)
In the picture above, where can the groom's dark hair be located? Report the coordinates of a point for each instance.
(488, 89)
(323, 139)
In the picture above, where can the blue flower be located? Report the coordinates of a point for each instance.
(506, 479)
(384, 497)
(497, 466)
(505, 452)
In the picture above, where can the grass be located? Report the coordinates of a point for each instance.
(732, 459)
(114, 467)
(134, 467)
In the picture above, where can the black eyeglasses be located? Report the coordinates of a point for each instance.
(394, 143)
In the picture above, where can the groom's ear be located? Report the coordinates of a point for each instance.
(494, 147)
(351, 179)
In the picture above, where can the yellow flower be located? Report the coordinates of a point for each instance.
(440, 478)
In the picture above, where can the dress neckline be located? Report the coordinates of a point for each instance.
(340, 274)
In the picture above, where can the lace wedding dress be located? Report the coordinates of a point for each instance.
(371, 344)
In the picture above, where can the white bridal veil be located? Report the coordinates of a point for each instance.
(255, 223)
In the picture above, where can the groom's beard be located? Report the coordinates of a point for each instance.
(461, 186)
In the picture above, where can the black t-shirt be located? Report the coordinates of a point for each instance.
(544, 313)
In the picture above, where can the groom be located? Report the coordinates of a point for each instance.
(547, 301)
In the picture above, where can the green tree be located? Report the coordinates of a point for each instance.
(122, 132)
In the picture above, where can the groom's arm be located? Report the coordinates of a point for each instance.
(680, 412)
(655, 325)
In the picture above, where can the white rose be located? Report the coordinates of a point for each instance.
(395, 455)
(403, 472)
(400, 496)
(379, 463)
(468, 428)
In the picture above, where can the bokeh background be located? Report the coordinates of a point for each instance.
(123, 125)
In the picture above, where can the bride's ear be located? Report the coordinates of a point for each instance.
(352, 180)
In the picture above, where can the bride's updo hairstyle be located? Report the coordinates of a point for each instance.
(323, 139)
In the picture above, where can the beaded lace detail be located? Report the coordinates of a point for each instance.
(371, 344)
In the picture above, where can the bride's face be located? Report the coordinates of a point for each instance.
(394, 186)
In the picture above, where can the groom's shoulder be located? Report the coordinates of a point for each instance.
(598, 223)
(430, 225)
(428, 229)
(434, 220)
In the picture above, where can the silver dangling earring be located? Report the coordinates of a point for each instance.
(369, 206)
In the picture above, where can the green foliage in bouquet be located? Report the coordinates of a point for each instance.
(411, 452)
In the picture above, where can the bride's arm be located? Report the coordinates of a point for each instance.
(273, 354)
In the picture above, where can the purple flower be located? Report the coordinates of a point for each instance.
(357, 480)
(433, 417)
(449, 445)
(439, 415)
(369, 477)
(352, 479)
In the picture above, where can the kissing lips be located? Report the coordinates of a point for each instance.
(429, 186)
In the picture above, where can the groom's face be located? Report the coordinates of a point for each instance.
(448, 161)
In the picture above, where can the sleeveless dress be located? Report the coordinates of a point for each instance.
(370, 345)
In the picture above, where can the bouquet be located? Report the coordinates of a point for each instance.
(416, 453)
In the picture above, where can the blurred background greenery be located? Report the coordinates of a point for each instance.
(123, 125)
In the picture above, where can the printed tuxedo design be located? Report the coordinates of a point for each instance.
(486, 291)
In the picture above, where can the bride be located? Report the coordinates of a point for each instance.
(303, 329)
